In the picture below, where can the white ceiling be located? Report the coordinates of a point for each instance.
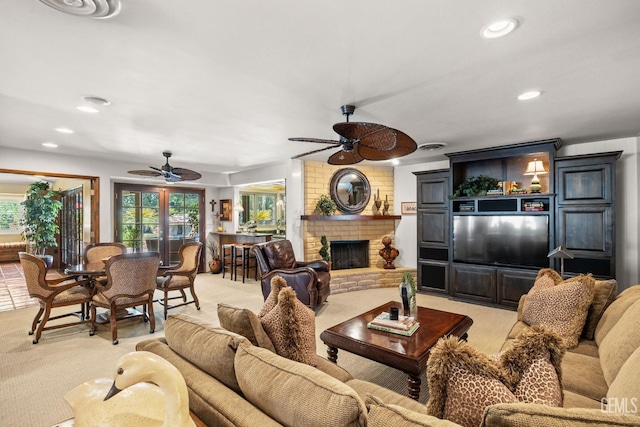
(224, 84)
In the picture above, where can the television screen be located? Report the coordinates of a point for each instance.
(519, 240)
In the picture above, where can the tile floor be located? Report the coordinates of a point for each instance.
(13, 288)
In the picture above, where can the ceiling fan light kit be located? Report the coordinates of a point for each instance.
(362, 141)
(168, 172)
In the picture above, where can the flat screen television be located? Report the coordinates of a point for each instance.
(518, 240)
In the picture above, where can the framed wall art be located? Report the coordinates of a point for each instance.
(225, 210)
(408, 208)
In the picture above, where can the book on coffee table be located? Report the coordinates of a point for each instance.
(403, 326)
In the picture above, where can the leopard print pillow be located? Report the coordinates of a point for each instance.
(277, 283)
(463, 381)
(291, 326)
(560, 305)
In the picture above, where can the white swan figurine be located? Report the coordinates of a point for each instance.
(146, 391)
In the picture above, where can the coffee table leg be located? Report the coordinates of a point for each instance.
(413, 384)
(332, 353)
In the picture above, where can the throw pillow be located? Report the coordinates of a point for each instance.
(560, 305)
(277, 283)
(246, 323)
(604, 292)
(463, 381)
(291, 326)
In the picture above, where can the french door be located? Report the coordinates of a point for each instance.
(158, 219)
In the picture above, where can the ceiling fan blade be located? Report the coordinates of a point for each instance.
(145, 173)
(186, 174)
(371, 134)
(316, 151)
(317, 140)
(161, 171)
(345, 158)
(404, 145)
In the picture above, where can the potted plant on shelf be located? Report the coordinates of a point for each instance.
(324, 252)
(476, 186)
(325, 205)
(40, 219)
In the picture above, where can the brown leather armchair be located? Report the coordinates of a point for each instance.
(310, 279)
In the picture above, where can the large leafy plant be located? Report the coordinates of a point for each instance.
(476, 186)
(40, 216)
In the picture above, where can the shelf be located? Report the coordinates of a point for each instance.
(348, 217)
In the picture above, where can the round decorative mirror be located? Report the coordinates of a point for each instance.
(350, 190)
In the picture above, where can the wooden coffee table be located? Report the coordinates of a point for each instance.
(407, 354)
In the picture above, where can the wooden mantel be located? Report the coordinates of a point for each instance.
(348, 217)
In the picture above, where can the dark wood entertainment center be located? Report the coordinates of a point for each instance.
(577, 199)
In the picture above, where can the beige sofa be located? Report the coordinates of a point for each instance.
(235, 383)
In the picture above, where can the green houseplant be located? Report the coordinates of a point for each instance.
(325, 205)
(39, 219)
(475, 186)
(324, 250)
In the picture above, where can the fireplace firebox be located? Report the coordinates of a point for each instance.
(349, 254)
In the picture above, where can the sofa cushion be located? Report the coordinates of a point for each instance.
(365, 388)
(463, 382)
(604, 292)
(277, 283)
(381, 414)
(583, 375)
(626, 387)
(246, 323)
(532, 415)
(296, 394)
(210, 348)
(586, 347)
(612, 314)
(575, 400)
(559, 305)
(332, 369)
(621, 341)
(291, 326)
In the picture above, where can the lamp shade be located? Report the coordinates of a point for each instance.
(535, 167)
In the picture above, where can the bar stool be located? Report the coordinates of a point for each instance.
(249, 262)
(228, 258)
(238, 261)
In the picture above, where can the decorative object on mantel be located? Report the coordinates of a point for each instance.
(534, 168)
(324, 252)
(386, 205)
(377, 203)
(475, 186)
(562, 253)
(388, 253)
(146, 391)
(408, 293)
(325, 205)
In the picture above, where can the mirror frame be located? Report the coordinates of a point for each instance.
(358, 207)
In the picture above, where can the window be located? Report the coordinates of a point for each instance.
(10, 213)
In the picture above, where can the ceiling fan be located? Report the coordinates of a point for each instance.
(363, 141)
(169, 173)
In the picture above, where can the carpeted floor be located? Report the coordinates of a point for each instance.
(34, 378)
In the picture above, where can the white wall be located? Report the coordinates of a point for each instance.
(627, 205)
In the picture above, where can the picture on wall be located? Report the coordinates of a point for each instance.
(225, 210)
(409, 208)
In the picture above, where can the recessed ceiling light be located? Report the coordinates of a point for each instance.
(529, 95)
(97, 100)
(64, 130)
(87, 109)
(499, 28)
(431, 146)
(49, 145)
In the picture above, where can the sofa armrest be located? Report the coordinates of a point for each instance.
(530, 414)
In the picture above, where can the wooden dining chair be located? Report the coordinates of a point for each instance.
(131, 281)
(53, 293)
(181, 277)
(99, 252)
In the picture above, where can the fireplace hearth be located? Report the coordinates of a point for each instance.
(347, 254)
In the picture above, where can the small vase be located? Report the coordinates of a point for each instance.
(408, 300)
(215, 266)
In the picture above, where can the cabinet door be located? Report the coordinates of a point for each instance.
(580, 184)
(586, 230)
(433, 191)
(433, 275)
(433, 227)
(512, 284)
(473, 282)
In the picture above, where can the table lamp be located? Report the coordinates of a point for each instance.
(534, 168)
(563, 254)
(238, 208)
